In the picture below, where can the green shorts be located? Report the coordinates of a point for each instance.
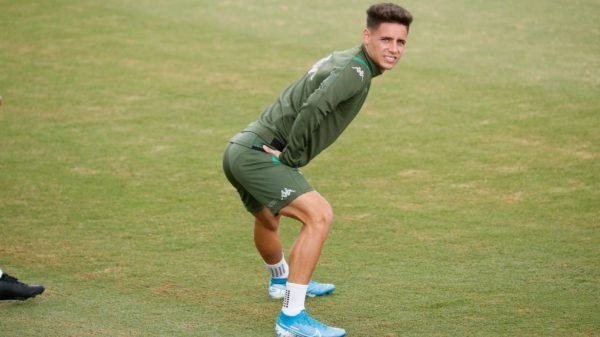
(260, 178)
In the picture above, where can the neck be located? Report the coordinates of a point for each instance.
(370, 59)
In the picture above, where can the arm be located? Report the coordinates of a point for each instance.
(337, 87)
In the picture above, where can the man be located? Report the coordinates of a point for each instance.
(262, 161)
(12, 289)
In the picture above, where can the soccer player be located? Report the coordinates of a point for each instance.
(262, 162)
(12, 289)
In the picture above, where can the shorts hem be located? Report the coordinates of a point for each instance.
(277, 208)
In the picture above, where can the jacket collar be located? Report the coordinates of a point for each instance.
(375, 71)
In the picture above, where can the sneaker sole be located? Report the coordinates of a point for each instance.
(281, 332)
(278, 294)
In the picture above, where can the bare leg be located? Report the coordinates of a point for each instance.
(316, 216)
(266, 236)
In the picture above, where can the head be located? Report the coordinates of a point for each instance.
(386, 33)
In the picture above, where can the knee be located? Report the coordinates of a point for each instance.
(266, 221)
(321, 219)
(313, 211)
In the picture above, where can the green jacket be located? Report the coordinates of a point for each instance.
(313, 111)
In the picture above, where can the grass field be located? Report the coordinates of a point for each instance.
(466, 193)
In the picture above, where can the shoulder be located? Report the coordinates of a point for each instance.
(353, 70)
(350, 62)
(341, 71)
(341, 61)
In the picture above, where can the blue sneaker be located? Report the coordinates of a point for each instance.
(302, 325)
(277, 288)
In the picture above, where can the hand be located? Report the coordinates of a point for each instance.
(271, 151)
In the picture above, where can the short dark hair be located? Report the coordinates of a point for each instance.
(388, 12)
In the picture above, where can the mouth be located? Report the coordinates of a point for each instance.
(390, 59)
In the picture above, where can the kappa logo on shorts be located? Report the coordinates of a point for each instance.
(286, 192)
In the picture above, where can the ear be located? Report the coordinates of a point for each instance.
(366, 36)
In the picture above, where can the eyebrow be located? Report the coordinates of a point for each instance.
(391, 38)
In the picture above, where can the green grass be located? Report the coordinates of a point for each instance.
(466, 193)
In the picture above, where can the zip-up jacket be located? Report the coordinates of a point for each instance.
(313, 111)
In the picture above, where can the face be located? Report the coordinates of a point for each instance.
(385, 45)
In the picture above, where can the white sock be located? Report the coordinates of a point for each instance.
(279, 270)
(293, 302)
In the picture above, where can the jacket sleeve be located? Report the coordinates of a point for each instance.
(337, 87)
